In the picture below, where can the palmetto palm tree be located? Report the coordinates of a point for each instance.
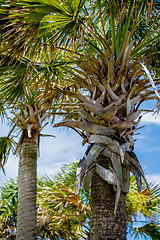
(30, 104)
(115, 80)
(115, 39)
(62, 214)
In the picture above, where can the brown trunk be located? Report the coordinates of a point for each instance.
(104, 224)
(27, 189)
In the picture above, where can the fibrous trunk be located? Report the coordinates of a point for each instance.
(27, 188)
(104, 224)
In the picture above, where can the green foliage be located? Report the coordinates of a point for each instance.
(66, 214)
(38, 75)
(144, 202)
(63, 215)
(151, 230)
(8, 209)
(59, 19)
(142, 210)
(6, 145)
(71, 22)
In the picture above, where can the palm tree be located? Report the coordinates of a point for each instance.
(113, 42)
(63, 215)
(116, 81)
(30, 105)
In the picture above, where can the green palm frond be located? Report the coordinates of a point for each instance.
(9, 196)
(6, 145)
(57, 19)
(19, 76)
(150, 229)
(61, 207)
(142, 210)
(68, 22)
(144, 202)
(3, 113)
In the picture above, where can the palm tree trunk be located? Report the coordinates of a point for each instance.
(104, 224)
(27, 189)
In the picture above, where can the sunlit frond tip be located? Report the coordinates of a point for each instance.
(150, 229)
(6, 144)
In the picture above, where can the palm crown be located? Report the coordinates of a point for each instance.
(112, 73)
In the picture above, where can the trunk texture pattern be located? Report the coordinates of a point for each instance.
(104, 224)
(27, 189)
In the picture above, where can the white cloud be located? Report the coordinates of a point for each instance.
(155, 178)
(150, 118)
(54, 153)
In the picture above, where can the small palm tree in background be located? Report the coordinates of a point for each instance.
(29, 103)
(62, 215)
(143, 211)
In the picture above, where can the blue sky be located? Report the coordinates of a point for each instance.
(54, 152)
